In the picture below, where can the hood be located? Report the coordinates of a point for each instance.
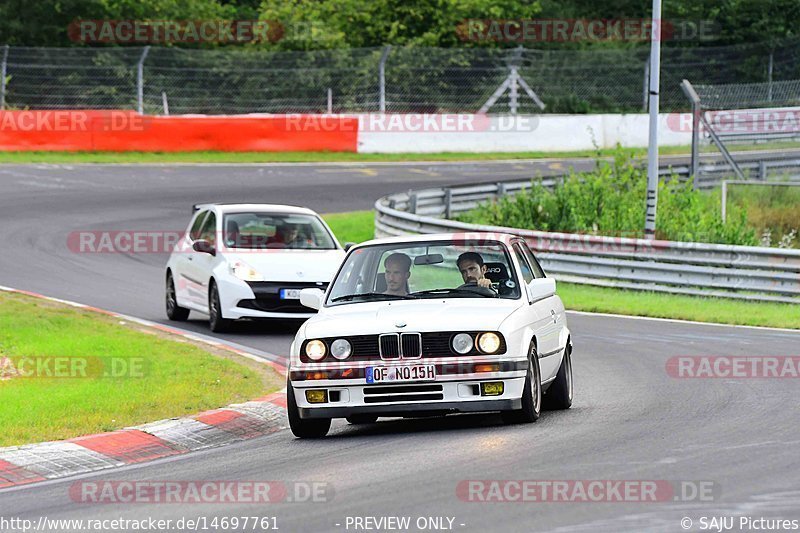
(292, 265)
(453, 314)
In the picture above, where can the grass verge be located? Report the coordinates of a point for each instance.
(119, 374)
(358, 226)
(658, 305)
(333, 157)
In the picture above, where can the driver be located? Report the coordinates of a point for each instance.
(397, 271)
(473, 271)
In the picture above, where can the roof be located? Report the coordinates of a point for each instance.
(262, 208)
(462, 236)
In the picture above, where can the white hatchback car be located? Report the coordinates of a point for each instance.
(431, 324)
(249, 261)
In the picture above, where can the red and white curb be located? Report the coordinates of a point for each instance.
(31, 463)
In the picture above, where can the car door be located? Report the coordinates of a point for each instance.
(201, 264)
(183, 259)
(555, 308)
(542, 318)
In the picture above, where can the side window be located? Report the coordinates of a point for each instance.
(525, 269)
(537, 268)
(209, 231)
(194, 231)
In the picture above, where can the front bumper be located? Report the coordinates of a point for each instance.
(459, 395)
(242, 299)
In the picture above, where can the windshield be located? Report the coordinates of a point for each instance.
(254, 230)
(434, 269)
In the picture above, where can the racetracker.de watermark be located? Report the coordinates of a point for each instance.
(741, 121)
(175, 31)
(585, 491)
(733, 367)
(72, 367)
(585, 30)
(73, 121)
(200, 492)
(412, 122)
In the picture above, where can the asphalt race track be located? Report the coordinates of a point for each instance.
(630, 419)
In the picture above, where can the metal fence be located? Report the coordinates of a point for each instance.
(395, 79)
(741, 272)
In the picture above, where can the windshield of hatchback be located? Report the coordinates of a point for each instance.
(422, 270)
(254, 230)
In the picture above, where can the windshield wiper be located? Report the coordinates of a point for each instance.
(370, 296)
(457, 290)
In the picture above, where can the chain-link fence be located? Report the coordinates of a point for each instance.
(157, 80)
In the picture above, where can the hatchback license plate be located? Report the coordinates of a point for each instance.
(290, 294)
(387, 374)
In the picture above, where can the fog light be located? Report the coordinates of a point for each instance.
(317, 396)
(487, 368)
(495, 388)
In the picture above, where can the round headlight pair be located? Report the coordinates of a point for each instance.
(316, 349)
(487, 343)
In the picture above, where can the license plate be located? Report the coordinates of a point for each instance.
(391, 374)
(290, 294)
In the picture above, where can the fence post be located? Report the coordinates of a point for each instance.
(645, 94)
(412, 203)
(140, 80)
(330, 101)
(448, 202)
(691, 94)
(3, 70)
(382, 78)
(164, 102)
(762, 170)
(769, 75)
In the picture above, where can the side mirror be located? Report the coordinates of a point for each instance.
(311, 298)
(204, 247)
(539, 289)
(348, 245)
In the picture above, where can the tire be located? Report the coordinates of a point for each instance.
(304, 428)
(216, 322)
(531, 394)
(559, 395)
(362, 419)
(174, 311)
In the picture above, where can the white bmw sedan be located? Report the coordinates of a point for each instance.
(249, 261)
(427, 325)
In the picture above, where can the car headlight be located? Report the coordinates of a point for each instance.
(462, 343)
(315, 350)
(341, 349)
(488, 342)
(245, 272)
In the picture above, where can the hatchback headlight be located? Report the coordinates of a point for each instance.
(488, 342)
(341, 349)
(245, 272)
(462, 343)
(315, 350)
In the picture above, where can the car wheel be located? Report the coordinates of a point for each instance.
(174, 311)
(216, 322)
(559, 395)
(304, 428)
(531, 394)
(362, 419)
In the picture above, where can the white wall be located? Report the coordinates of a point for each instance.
(549, 133)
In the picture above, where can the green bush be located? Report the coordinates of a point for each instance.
(611, 201)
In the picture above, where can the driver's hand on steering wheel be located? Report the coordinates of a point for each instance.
(485, 282)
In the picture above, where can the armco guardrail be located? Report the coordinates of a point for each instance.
(743, 272)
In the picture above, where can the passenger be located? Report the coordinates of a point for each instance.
(397, 271)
